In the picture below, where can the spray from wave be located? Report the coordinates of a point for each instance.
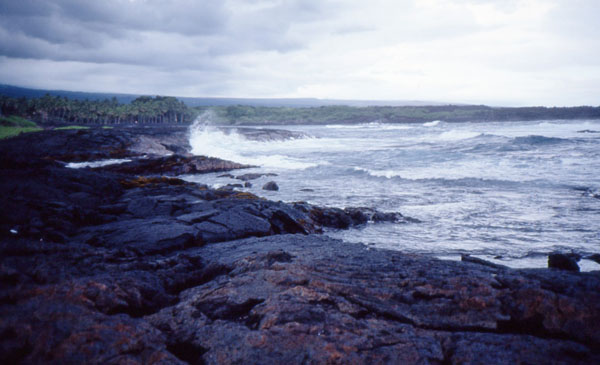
(229, 144)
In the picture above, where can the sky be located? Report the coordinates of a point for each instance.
(494, 52)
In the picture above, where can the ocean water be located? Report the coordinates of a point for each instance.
(509, 192)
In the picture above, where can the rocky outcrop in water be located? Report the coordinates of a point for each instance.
(175, 165)
(562, 261)
(128, 266)
(271, 186)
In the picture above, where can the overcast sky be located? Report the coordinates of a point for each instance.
(499, 52)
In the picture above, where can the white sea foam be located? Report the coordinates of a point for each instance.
(432, 124)
(372, 125)
(345, 126)
(379, 173)
(210, 141)
(99, 163)
(391, 127)
(230, 145)
(457, 135)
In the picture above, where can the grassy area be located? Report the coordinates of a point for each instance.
(13, 126)
(6, 132)
(69, 127)
(107, 127)
(15, 121)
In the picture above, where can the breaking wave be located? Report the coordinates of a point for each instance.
(230, 144)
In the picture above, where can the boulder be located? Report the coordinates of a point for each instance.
(253, 176)
(562, 261)
(271, 185)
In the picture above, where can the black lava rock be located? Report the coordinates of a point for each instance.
(271, 185)
(562, 261)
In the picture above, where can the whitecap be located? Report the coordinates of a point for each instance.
(457, 135)
(99, 163)
(432, 123)
(379, 173)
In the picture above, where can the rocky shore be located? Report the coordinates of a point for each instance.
(127, 263)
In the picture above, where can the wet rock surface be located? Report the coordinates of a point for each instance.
(562, 261)
(252, 176)
(125, 266)
(271, 186)
(175, 165)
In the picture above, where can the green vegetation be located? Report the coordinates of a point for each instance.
(13, 125)
(16, 121)
(60, 110)
(404, 114)
(56, 110)
(69, 127)
(6, 132)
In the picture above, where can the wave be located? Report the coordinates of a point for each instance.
(457, 135)
(229, 144)
(378, 173)
(371, 125)
(538, 140)
(432, 124)
(449, 177)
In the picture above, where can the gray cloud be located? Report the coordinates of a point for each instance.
(181, 33)
(461, 50)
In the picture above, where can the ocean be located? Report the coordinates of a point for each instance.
(508, 192)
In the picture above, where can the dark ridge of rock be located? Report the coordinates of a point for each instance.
(176, 143)
(557, 260)
(477, 260)
(50, 202)
(595, 257)
(253, 176)
(271, 185)
(326, 301)
(290, 298)
(93, 144)
(348, 217)
(42, 331)
(174, 165)
(234, 186)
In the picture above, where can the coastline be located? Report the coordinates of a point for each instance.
(129, 263)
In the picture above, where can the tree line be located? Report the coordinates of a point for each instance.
(55, 109)
(165, 109)
(242, 114)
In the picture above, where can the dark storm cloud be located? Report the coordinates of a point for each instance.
(147, 31)
(150, 44)
(180, 16)
(102, 31)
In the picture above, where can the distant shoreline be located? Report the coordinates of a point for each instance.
(50, 107)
